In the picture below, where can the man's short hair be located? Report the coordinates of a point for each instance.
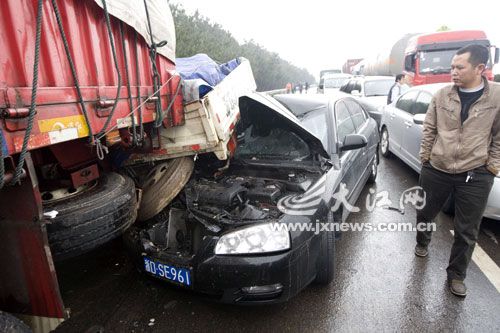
(479, 54)
(399, 77)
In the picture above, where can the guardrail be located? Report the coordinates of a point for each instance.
(275, 92)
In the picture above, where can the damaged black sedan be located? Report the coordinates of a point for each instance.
(242, 231)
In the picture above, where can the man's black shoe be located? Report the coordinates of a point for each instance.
(457, 287)
(421, 251)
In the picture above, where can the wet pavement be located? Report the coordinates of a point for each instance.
(379, 285)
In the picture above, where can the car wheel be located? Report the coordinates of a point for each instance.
(10, 324)
(90, 216)
(373, 170)
(162, 184)
(326, 261)
(384, 143)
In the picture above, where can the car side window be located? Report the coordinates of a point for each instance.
(357, 86)
(407, 101)
(422, 103)
(345, 125)
(357, 114)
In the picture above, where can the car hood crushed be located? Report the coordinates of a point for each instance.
(275, 107)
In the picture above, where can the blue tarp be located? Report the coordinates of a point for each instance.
(200, 66)
(202, 73)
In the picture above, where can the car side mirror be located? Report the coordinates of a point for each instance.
(355, 93)
(353, 141)
(419, 118)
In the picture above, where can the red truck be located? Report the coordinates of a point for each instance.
(349, 64)
(426, 58)
(83, 85)
(97, 130)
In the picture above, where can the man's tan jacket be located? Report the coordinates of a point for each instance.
(453, 147)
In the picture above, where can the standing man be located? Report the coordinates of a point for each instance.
(460, 154)
(396, 89)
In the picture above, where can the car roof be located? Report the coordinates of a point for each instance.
(431, 88)
(336, 75)
(304, 103)
(376, 78)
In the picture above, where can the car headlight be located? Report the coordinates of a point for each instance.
(260, 238)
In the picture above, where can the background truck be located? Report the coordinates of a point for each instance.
(89, 98)
(349, 64)
(426, 58)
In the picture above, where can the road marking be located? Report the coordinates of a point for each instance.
(486, 265)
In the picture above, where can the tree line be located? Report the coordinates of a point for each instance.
(197, 34)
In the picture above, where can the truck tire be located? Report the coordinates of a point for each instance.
(162, 184)
(11, 324)
(93, 217)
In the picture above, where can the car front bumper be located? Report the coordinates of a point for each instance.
(240, 279)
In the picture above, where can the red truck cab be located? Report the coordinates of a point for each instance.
(428, 56)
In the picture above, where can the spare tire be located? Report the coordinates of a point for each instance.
(92, 217)
(162, 184)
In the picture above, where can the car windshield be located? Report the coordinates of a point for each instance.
(260, 142)
(335, 82)
(378, 87)
(436, 62)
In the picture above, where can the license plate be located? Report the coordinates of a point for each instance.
(168, 272)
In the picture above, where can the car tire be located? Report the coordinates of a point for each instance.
(11, 324)
(326, 261)
(93, 217)
(373, 170)
(384, 143)
(167, 179)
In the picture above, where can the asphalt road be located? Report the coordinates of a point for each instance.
(379, 286)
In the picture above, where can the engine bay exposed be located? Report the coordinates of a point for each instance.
(273, 159)
(237, 199)
(210, 205)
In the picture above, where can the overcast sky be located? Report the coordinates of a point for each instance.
(322, 34)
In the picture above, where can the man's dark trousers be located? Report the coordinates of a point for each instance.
(470, 202)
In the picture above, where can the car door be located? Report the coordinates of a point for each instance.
(399, 116)
(350, 161)
(412, 135)
(363, 127)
